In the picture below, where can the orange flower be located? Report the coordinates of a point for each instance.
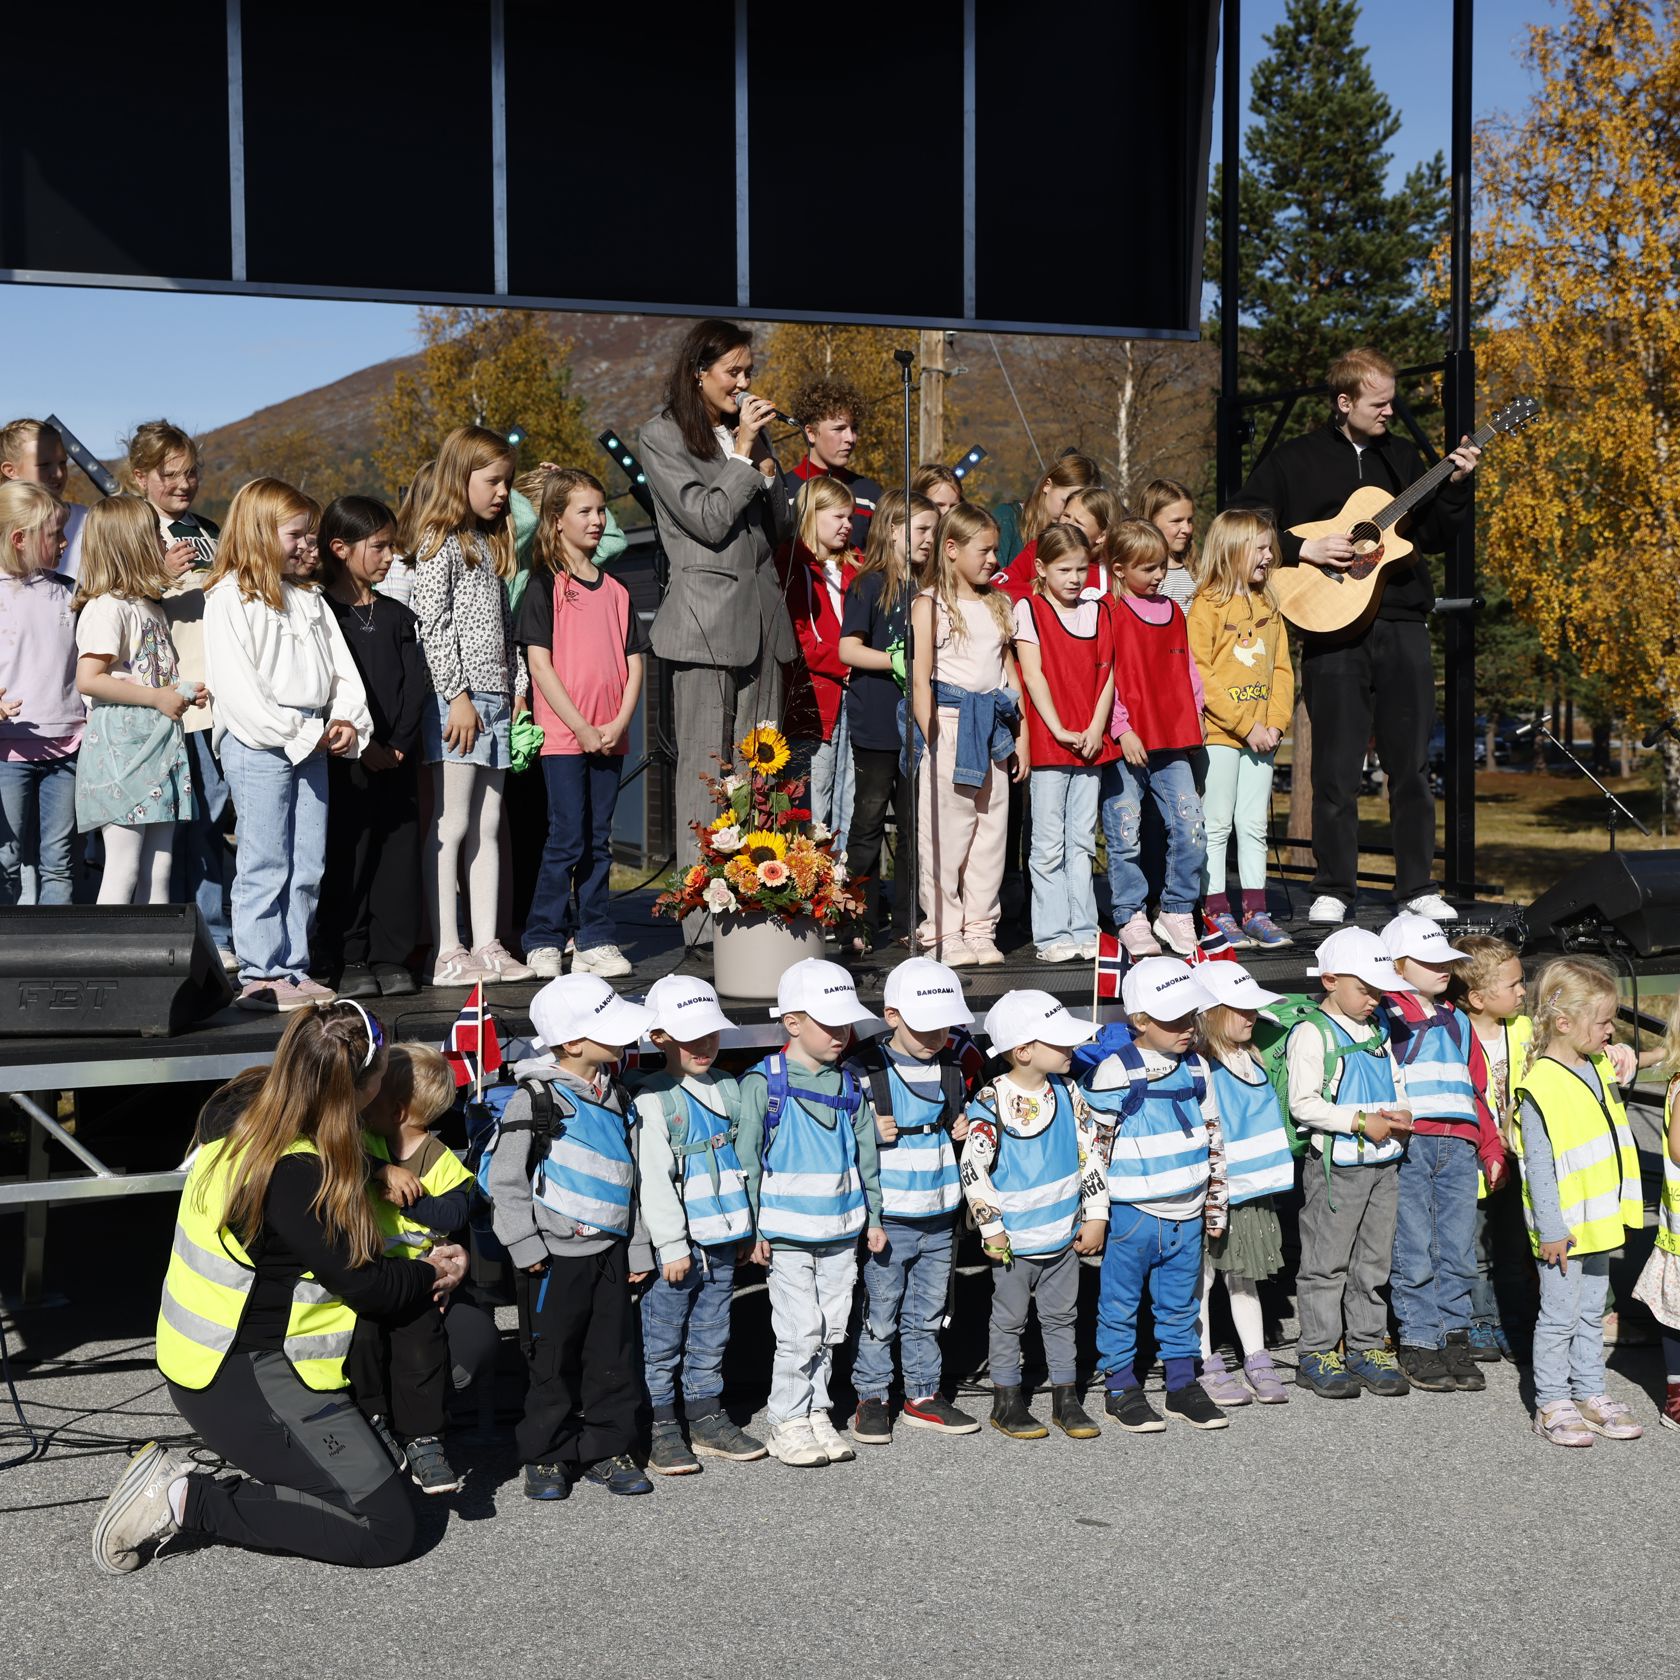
(741, 874)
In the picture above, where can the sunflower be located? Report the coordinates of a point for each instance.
(765, 749)
(760, 846)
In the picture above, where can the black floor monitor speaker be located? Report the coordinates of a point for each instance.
(109, 970)
(1635, 895)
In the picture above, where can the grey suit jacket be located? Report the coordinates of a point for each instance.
(720, 522)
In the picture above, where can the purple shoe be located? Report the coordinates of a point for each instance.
(1224, 924)
(1223, 1387)
(1263, 1379)
(1264, 932)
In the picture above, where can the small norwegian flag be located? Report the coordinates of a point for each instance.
(971, 1059)
(463, 1045)
(1112, 963)
(1214, 946)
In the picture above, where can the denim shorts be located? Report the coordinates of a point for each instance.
(495, 717)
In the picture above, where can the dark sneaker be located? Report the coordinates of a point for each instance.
(932, 1412)
(394, 980)
(668, 1453)
(872, 1424)
(1011, 1417)
(1193, 1405)
(1326, 1376)
(388, 1441)
(618, 1474)
(1378, 1370)
(1460, 1360)
(1132, 1412)
(714, 1436)
(546, 1481)
(1484, 1344)
(430, 1467)
(1069, 1416)
(357, 981)
(1426, 1369)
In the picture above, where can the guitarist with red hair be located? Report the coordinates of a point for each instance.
(1377, 677)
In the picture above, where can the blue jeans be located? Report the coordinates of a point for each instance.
(582, 796)
(37, 802)
(828, 767)
(1169, 781)
(282, 852)
(1569, 1334)
(685, 1326)
(1434, 1240)
(201, 850)
(1166, 1254)
(906, 1286)
(1064, 846)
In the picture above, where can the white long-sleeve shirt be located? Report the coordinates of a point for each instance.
(1025, 1113)
(658, 1172)
(278, 677)
(1305, 1054)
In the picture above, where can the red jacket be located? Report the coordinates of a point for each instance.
(816, 681)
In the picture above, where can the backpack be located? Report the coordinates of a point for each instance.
(871, 1059)
(664, 1087)
(1116, 1039)
(1271, 1041)
(778, 1088)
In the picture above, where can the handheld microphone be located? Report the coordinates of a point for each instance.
(1656, 733)
(1529, 728)
(788, 419)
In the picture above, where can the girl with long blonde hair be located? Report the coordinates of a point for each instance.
(133, 781)
(464, 560)
(288, 698)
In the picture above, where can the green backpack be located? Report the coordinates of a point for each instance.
(1271, 1039)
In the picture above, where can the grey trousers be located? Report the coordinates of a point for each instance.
(714, 706)
(1053, 1281)
(1346, 1253)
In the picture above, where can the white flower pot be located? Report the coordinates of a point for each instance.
(751, 953)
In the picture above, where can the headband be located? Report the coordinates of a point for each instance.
(376, 1034)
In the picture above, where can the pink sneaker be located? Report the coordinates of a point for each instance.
(1609, 1418)
(500, 964)
(1136, 938)
(1177, 931)
(305, 990)
(1559, 1422)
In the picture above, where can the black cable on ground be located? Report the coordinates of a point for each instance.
(34, 1449)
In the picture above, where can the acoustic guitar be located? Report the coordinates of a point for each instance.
(1324, 601)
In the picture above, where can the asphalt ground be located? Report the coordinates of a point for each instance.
(1429, 1534)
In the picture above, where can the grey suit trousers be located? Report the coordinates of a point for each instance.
(715, 706)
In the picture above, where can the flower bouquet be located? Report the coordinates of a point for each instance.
(762, 854)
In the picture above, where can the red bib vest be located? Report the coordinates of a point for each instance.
(1152, 680)
(1075, 668)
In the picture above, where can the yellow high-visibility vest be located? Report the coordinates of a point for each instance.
(208, 1286)
(405, 1238)
(1668, 1214)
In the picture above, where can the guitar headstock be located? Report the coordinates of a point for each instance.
(1517, 412)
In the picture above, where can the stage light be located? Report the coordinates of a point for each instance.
(515, 435)
(622, 453)
(969, 462)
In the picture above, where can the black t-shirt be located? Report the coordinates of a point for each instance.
(872, 696)
(384, 642)
(533, 624)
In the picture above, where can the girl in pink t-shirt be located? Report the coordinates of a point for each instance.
(584, 645)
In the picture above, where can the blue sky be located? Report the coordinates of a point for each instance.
(106, 359)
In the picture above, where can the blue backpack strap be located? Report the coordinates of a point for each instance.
(774, 1069)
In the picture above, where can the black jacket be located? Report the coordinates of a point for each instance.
(1309, 478)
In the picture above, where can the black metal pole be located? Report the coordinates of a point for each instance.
(1228, 472)
(907, 863)
(1459, 629)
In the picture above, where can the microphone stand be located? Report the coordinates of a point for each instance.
(907, 865)
(1615, 811)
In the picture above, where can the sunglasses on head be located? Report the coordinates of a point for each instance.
(375, 1032)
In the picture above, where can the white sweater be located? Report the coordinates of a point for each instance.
(277, 678)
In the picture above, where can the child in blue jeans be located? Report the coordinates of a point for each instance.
(694, 1202)
(915, 1093)
(1161, 1170)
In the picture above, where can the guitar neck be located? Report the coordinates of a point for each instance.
(1427, 485)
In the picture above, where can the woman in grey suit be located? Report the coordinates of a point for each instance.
(722, 509)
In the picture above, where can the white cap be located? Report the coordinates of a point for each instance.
(1232, 985)
(927, 994)
(822, 990)
(685, 1007)
(1419, 938)
(1164, 989)
(1033, 1017)
(1358, 951)
(580, 1006)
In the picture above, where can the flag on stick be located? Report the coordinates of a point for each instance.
(472, 1048)
(1112, 963)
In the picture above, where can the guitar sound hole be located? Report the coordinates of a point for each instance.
(1367, 548)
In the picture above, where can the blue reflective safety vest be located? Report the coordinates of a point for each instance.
(1435, 1055)
(919, 1168)
(1161, 1137)
(714, 1190)
(1367, 1079)
(1258, 1160)
(588, 1171)
(809, 1189)
(1036, 1179)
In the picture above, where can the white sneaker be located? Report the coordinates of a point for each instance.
(455, 967)
(1177, 931)
(545, 961)
(1088, 950)
(1136, 939)
(137, 1510)
(793, 1443)
(605, 960)
(1327, 908)
(499, 963)
(1431, 905)
(832, 1442)
(228, 959)
(1058, 951)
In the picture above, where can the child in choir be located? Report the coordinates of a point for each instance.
(1659, 1282)
(1258, 1166)
(964, 690)
(1435, 1220)
(1158, 723)
(1241, 647)
(817, 569)
(1581, 1196)
(289, 699)
(807, 1145)
(938, 483)
(32, 452)
(1033, 1171)
(1161, 1103)
(464, 561)
(1097, 512)
(872, 648)
(1020, 525)
(132, 779)
(1346, 1087)
(1064, 642)
(694, 1200)
(370, 896)
(586, 647)
(570, 1227)
(916, 1094)
(40, 734)
(1171, 509)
